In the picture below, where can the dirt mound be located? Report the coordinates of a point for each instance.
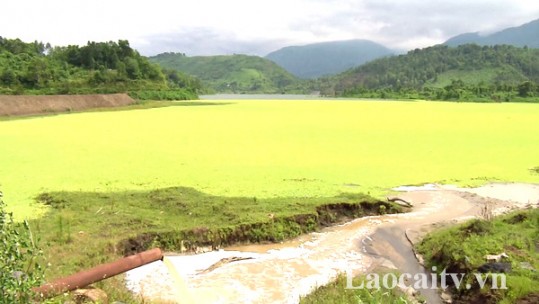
(32, 104)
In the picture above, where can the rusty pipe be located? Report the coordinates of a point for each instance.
(98, 273)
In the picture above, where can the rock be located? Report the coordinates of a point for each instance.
(410, 292)
(497, 267)
(203, 249)
(446, 298)
(388, 264)
(420, 259)
(496, 257)
(19, 275)
(527, 266)
(90, 295)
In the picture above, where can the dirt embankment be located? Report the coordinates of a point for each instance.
(17, 105)
(274, 230)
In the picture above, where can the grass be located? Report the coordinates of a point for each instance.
(268, 149)
(85, 229)
(462, 249)
(336, 292)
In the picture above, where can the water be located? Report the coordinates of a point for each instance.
(282, 273)
(183, 295)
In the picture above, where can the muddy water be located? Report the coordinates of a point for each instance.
(281, 273)
(392, 242)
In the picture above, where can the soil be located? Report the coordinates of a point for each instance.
(529, 299)
(20, 105)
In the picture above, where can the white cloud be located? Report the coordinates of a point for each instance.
(256, 27)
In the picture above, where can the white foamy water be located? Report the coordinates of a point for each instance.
(278, 275)
(426, 187)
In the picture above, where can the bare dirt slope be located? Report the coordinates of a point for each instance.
(32, 104)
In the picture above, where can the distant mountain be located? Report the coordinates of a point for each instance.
(524, 35)
(231, 73)
(327, 58)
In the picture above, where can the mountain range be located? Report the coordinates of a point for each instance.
(520, 36)
(322, 59)
(291, 68)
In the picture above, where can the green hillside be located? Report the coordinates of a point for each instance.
(520, 36)
(98, 67)
(477, 77)
(441, 72)
(327, 58)
(232, 73)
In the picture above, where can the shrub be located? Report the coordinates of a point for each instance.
(19, 270)
(171, 94)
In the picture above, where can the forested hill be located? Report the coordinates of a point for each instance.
(327, 58)
(232, 73)
(98, 67)
(441, 72)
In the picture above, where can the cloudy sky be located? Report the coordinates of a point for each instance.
(208, 27)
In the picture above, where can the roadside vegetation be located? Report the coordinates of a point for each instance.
(462, 249)
(85, 229)
(99, 67)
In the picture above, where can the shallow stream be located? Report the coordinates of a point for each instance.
(282, 273)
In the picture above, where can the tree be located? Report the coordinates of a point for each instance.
(525, 89)
(38, 74)
(125, 49)
(8, 77)
(98, 67)
(132, 68)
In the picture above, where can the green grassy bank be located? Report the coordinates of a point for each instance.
(336, 292)
(462, 249)
(85, 229)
